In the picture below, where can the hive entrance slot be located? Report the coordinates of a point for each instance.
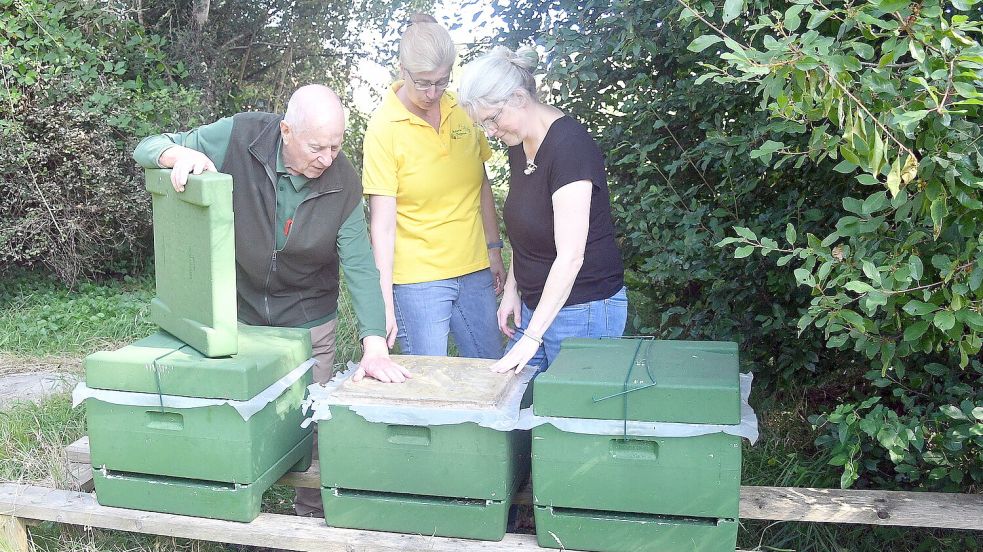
(456, 501)
(638, 517)
(217, 485)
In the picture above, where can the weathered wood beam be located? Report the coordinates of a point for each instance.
(268, 530)
(868, 507)
(13, 535)
(910, 509)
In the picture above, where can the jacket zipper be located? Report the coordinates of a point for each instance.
(272, 269)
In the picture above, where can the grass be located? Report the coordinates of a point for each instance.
(39, 316)
(40, 319)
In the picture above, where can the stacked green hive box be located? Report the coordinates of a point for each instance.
(609, 492)
(453, 480)
(203, 461)
(202, 418)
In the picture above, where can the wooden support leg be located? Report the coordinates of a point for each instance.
(13, 535)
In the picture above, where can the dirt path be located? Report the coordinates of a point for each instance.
(33, 378)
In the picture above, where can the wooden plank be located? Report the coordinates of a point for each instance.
(81, 476)
(910, 509)
(268, 530)
(13, 535)
(310, 479)
(78, 452)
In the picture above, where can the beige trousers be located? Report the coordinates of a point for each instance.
(308, 501)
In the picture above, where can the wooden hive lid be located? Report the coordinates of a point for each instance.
(464, 383)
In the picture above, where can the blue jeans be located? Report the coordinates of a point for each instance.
(463, 307)
(600, 318)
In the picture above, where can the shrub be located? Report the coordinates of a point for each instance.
(82, 83)
(840, 141)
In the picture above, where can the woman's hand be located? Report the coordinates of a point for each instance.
(511, 306)
(517, 357)
(391, 328)
(497, 268)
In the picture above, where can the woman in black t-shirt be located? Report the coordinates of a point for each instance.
(566, 278)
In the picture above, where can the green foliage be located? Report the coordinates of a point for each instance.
(888, 94)
(802, 177)
(39, 315)
(80, 83)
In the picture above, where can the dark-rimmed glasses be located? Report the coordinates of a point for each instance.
(424, 85)
(490, 125)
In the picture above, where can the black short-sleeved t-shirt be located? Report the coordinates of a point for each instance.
(568, 154)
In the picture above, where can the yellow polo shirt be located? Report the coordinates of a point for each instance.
(435, 176)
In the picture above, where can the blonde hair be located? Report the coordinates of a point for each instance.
(425, 45)
(489, 81)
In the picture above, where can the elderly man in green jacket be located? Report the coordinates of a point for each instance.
(297, 202)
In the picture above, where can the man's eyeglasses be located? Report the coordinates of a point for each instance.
(424, 85)
(491, 124)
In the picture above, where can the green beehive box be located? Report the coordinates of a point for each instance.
(194, 256)
(454, 480)
(612, 493)
(204, 460)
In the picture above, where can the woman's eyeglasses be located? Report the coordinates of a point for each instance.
(491, 124)
(424, 85)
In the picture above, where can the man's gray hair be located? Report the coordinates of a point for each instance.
(311, 106)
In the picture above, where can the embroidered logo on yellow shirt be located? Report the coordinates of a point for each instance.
(462, 131)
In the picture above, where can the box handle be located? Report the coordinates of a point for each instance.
(409, 435)
(634, 449)
(169, 421)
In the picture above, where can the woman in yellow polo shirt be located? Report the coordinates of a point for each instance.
(432, 214)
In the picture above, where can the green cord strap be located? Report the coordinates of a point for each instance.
(624, 386)
(160, 393)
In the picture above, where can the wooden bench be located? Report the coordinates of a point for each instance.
(22, 504)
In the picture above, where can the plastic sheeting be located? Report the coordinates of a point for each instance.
(509, 417)
(246, 409)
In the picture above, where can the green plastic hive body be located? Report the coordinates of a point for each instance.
(190, 497)
(609, 493)
(452, 480)
(422, 515)
(686, 476)
(204, 461)
(458, 460)
(194, 255)
(614, 531)
(696, 381)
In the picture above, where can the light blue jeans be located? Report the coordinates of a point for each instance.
(463, 307)
(600, 318)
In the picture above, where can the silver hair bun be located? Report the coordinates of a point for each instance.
(524, 57)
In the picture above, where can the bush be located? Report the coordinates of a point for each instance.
(82, 83)
(734, 128)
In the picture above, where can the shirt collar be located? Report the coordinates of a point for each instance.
(393, 109)
(297, 181)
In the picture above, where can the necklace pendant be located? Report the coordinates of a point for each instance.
(530, 167)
